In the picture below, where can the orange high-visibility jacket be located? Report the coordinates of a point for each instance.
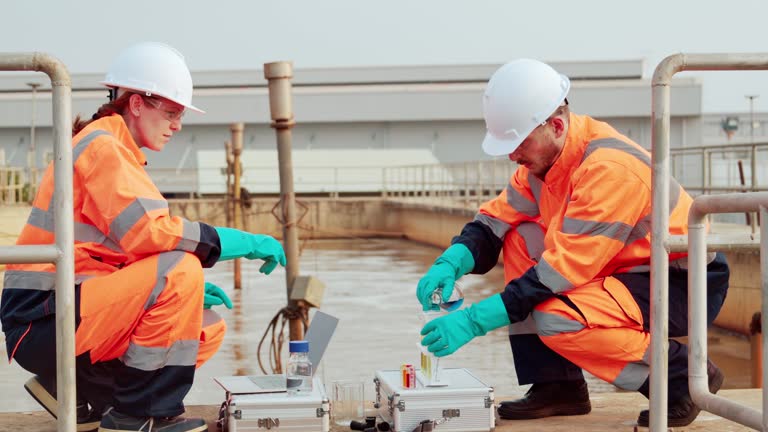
(120, 217)
(594, 203)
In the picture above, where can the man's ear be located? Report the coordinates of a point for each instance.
(135, 104)
(558, 125)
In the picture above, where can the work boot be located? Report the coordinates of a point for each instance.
(113, 421)
(87, 419)
(683, 411)
(549, 399)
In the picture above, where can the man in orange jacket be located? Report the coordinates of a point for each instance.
(142, 306)
(574, 226)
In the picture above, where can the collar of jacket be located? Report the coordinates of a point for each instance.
(576, 142)
(116, 126)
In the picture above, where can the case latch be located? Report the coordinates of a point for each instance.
(321, 412)
(451, 413)
(488, 401)
(268, 423)
(401, 405)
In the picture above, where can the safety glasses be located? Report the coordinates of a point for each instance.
(171, 114)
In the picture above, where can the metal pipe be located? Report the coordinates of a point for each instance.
(764, 277)
(237, 148)
(279, 75)
(32, 155)
(64, 225)
(28, 254)
(756, 351)
(659, 232)
(697, 304)
(229, 192)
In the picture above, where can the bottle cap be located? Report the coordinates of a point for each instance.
(298, 346)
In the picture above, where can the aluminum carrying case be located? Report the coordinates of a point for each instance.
(464, 404)
(276, 411)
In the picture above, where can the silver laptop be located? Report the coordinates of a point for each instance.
(318, 335)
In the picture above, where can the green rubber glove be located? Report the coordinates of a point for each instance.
(454, 263)
(241, 244)
(215, 296)
(445, 335)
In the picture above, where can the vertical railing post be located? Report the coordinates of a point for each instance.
(764, 288)
(237, 149)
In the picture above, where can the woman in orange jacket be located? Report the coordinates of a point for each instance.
(142, 306)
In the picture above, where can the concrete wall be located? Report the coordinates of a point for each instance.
(744, 297)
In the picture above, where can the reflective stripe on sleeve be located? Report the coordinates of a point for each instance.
(128, 218)
(551, 278)
(520, 203)
(498, 227)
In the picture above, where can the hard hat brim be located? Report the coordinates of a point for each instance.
(493, 146)
(139, 90)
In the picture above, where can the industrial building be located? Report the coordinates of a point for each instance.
(351, 122)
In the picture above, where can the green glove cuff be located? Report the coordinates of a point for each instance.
(459, 257)
(234, 243)
(488, 315)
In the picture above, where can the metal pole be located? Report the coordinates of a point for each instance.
(279, 75)
(756, 350)
(230, 160)
(32, 154)
(753, 155)
(763, 212)
(237, 148)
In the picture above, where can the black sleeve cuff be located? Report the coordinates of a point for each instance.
(521, 295)
(209, 248)
(483, 244)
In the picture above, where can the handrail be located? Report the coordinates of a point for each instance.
(697, 304)
(63, 252)
(660, 137)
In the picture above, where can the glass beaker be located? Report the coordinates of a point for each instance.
(348, 402)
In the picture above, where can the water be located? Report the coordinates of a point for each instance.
(299, 374)
(371, 288)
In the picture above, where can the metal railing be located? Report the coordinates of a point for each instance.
(705, 169)
(62, 252)
(731, 161)
(697, 304)
(660, 151)
(462, 184)
(12, 185)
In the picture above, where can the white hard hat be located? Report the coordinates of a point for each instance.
(152, 68)
(519, 97)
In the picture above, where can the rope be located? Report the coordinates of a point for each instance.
(277, 340)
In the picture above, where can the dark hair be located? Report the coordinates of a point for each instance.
(112, 107)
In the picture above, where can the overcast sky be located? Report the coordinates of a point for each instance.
(245, 34)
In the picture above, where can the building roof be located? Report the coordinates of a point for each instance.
(358, 94)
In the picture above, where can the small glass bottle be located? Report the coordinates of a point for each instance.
(454, 301)
(299, 369)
